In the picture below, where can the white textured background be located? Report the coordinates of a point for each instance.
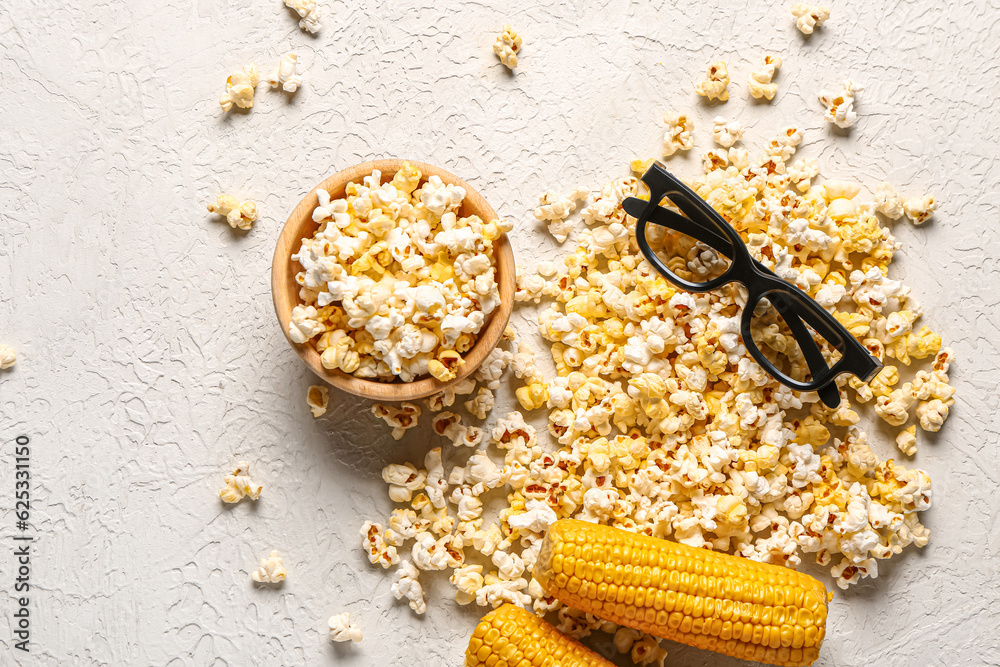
(150, 359)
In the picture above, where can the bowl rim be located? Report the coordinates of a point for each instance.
(284, 296)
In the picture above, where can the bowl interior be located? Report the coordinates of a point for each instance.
(285, 291)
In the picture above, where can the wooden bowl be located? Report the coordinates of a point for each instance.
(285, 291)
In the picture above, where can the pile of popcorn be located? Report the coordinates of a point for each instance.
(660, 422)
(394, 284)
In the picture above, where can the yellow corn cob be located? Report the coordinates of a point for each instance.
(512, 637)
(749, 610)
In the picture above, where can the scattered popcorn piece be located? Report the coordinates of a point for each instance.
(239, 485)
(343, 630)
(284, 74)
(801, 173)
(239, 216)
(555, 209)
(491, 369)
(907, 440)
(481, 403)
(887, 201)
(467, 581)
(760, 80)
(932, 414)
(240, 87)
(308, 12)
(497, 592)
(271, 570)
(506, 47)
(919, 209)
(809, 17)
(446, 397)
(450, 426)
(848, 572)
(318, 398)
(379, 552)
(8, 357)
(401, 418)
(647, 651)
(840, 105)
(537, 518)
(678, 134)
(408, 586)
(640, 167)
(714, 87)
(726, 132)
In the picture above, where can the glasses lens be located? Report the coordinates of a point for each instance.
(778, 333)
(685, 248)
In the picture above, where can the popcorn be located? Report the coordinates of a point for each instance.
(309, 13)
(343, 630)
(239, 485)
(555, 209)
(407, 585)
(647, 651)
(318, 398)
(446, 397)
(726, 132)
(394, 283)
(759, 81)
(467, 581)
(919, 209)
(378, 551)
(887, 201)
(840, 106)
(678, 134)
(847, 573)
(238, 215)
(240, 87)
(450, 426)
(403, 480)
(907, 441)
(507, 45)
(932, 414)
(509, 566)
(498, 592)
(714, 87)
(271, 571)
(802, 172)
(304, 324)
(284, 74)
(8, 357)
(809, 17)
(640, 167)
(537, 518)
(446, 366)
(401, 418)
(481, 404)
(435, 482)
(493, 366)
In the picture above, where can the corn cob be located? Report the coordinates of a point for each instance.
(512, 637)
(748, 610)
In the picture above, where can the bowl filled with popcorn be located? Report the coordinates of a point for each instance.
(393, 279)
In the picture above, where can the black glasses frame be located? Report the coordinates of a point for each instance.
(797, 308)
